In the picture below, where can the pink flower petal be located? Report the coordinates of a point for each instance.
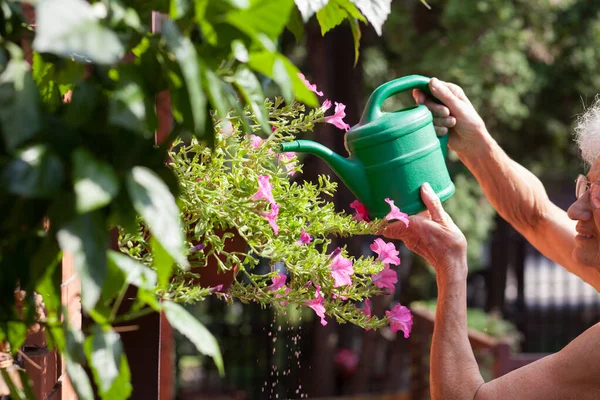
(226, 128)
(400, 319)
(396, 213)
(337, 118)
(386, 251)
(256, 141)
(326, 105)
(317, 305)
(278, 282)
(271, 217)
(264, 189)
(361, 211)
(311, 87)
(341, 270)
(387, 278)
(304, 238)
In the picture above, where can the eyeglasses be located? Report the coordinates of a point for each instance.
(582, 185)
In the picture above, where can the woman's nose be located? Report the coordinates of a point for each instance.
(580, 210)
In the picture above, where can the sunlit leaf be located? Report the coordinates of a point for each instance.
(330, 16)
(74, 357)
(86, 238)
(376, 12)
(249, 86)
(127, 108)
(178, 8)
(135, 272)
(309, 7)
(19, 103)
(35, 172)
(95, 181)
(155, 203)
(185, 53)
(267, 17)
(104, 351)
(215, 89)
(163, 262)
(71, 28)
(192, 329)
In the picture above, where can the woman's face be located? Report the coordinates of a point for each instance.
(587, 241)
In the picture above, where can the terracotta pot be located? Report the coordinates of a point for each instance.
(211, 275)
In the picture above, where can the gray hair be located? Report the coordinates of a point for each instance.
(587, 132)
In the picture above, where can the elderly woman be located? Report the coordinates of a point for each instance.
(571, 239)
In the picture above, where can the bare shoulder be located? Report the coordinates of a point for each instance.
(572, 373)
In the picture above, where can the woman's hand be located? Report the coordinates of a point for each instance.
(457, 114)
(433, 235)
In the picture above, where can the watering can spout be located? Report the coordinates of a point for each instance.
(351, 172)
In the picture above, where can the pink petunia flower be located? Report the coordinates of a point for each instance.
(304, 238)
(401, 319)
(387, 278)
(326, 105)
(311, 87)
(317, 305)
(226, 128)
(271, 216)
(361, 211)
(256, 141)
(386, 251)
(264, 189)
(289, 166)
(278, 283)
(396, 213)
(341, 270)
(273, 129)
(337, 118)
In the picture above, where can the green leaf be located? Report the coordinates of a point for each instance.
(35, 172)
(192, 329)
(163, 263)
(74, 357)
(330, 16)
(178, 8)
(71, 29)
(19, 103)
(43, 74)
(95, 181)
(240, 52)
(267, 17)
(49, 288)
(126, 107)
(282, 77)
(85, 237)
(351, 9)
(264, 62)
(296, 25)
(309, 7)
(104, 351)
(376, 12)
(249, 87)
(356, 34)
(185, 53)
(16, 333)
(121, 388)
(214, 86)
(135, 273)
(155, 203)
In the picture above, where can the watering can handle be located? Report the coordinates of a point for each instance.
(383, 92)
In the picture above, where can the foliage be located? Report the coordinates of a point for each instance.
(77, 155)
(217, 202)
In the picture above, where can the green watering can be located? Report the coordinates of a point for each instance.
(391, 153)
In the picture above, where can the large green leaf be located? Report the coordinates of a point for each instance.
(214, 87)
(19, 103)
(163, 262)
(104, 351)
(72, 29)
(135, 273)
(296, 25)
(191, 328)
(35, 172)
(249, 87)
(126, 107)
(155, 203)
(376, 12)
(95, 181)
(331, 16)
(43, 74)
(265, 63)
(187, 58)
(309, 7)
(267, 17)
(86, 238)
(74, 356)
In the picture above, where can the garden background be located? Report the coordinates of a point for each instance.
(529, 67)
